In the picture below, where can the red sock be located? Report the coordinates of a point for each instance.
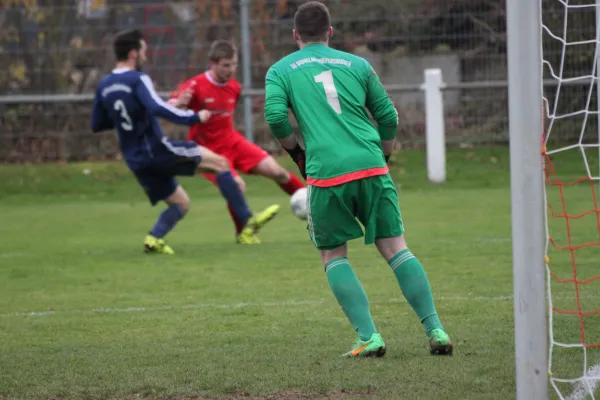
(238, 224)
(292, 185)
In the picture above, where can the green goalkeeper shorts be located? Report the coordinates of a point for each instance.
(334, 212)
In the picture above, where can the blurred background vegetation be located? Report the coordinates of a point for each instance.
(63, 47)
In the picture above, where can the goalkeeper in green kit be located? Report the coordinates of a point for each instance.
(344, 162)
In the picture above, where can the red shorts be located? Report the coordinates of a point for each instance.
(242, 156)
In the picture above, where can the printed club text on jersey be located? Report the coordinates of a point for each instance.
(341, 61)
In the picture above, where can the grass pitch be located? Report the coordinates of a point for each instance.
(85, 314)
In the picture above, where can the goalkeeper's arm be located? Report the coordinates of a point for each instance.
(383, 111)
(276, 115)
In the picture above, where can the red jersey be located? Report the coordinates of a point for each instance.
(221, 99)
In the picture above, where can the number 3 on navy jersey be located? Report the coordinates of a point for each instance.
(120, 107)
(326, 78)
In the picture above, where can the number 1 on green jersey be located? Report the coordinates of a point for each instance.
(326, 78)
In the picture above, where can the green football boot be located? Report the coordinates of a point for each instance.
(440, 343)
(374, 347)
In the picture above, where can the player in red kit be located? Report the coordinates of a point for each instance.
(218, 91)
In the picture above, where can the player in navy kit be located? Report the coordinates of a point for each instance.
(126, 100)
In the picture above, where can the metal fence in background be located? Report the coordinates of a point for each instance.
(63, 47)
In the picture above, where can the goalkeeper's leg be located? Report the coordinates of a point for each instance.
(415, 286)
(385, 227)
(329, 229)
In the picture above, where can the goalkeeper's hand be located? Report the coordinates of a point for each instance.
(299, 157)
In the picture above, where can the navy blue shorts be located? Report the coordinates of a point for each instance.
(176, 158)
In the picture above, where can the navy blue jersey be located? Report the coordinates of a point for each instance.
(127, 101)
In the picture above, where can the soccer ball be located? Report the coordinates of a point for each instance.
(298, 202)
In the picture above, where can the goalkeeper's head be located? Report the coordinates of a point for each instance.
(312, 24)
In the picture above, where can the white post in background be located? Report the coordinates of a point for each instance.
(434, 125)
(246, 66)
(523, 20)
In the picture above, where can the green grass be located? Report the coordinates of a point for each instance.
(85, 314)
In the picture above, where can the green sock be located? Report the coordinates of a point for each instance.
(415, 287)
(351, 296)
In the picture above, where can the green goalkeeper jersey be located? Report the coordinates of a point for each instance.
(329, 93)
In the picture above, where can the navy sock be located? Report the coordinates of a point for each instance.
(167, 220)
(234, 196)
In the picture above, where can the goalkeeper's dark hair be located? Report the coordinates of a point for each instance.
(126, 41)
(312, 22)
(221, 50)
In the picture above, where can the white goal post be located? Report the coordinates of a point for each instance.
(527, 197)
